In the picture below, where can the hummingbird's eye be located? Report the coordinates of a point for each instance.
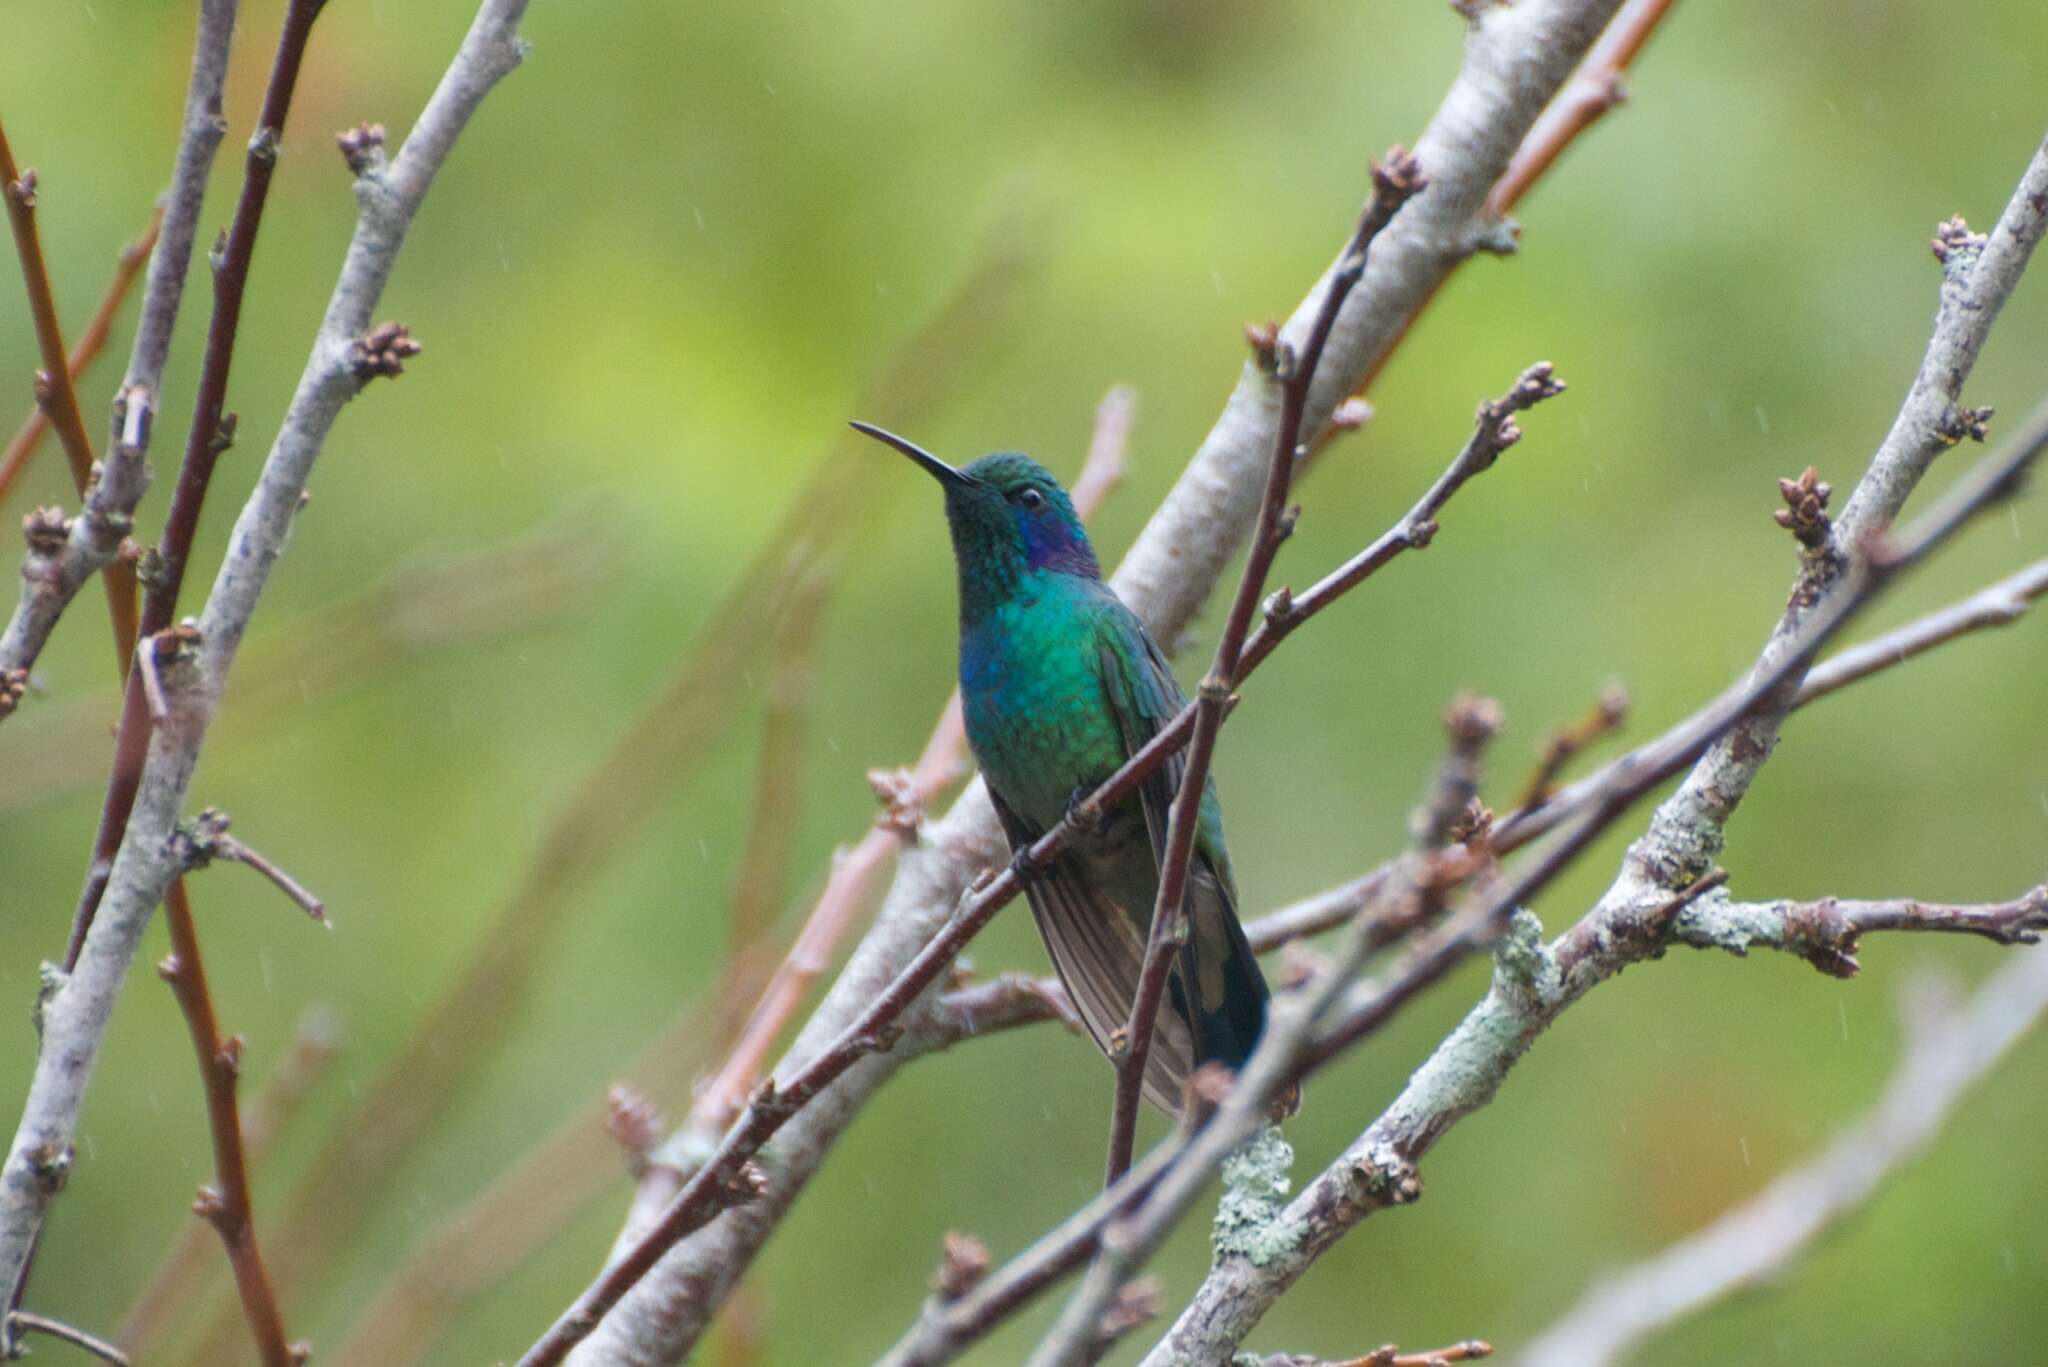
(1031, 499)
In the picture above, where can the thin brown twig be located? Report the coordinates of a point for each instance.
(1548, 138)
(55, 394)
(212, 432)
(1395, 181)
(1568, 742)
(314, 1045)
(85, 348)
(2000, 604)
(226, 1203)
(207, 839)
(1596, 88)
(1826, 933)
(64, 1333)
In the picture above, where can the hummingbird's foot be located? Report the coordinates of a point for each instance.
(1086, 815)
(1028, 869)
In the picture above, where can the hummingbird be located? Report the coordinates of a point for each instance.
(1061, 683)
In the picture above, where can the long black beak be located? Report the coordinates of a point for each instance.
(937, 468)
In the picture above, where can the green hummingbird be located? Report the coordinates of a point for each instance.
(1061, 684)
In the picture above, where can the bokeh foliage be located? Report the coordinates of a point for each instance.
(664, 259)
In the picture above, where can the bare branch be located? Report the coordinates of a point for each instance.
(64, 1333)
(1826, 933)
(207, 839)
(76, 1012)
(1596, 88)
(1567, 743)
(1631, 921)
(1945, 1060)
(1388, 1355)
(55, 396)
(212, 432)
(264, 1118)
(1395, 181)
(85, 348)
(1999, 605)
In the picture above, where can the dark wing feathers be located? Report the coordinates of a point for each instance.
(1216, 987)
(1099, 955)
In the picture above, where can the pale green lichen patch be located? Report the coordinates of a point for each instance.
(1717, 922)
(1250, 1220)
(1521, 963)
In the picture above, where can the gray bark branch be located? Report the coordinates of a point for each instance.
(1685, 835)
(52, 575)
(74, 1008)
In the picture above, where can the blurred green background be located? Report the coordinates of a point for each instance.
(667, 259)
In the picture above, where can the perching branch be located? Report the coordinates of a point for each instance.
(1395, 181)
(1389, 907)
(1515, 59)
(1947, 1055)
(77, 1008)
(726, 1179)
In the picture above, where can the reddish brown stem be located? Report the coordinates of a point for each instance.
(1568, 742)
(1603, 70)
(127, 266)
(1596, 89)
(211, 433)
(55, 394)
(172, 1285)
(224, 1204)
(1395, 181)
